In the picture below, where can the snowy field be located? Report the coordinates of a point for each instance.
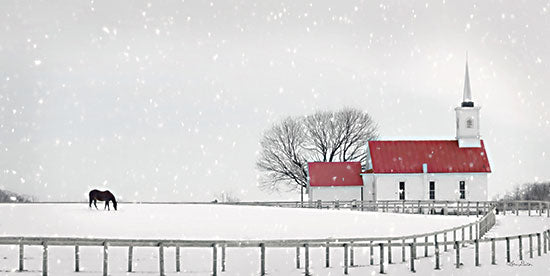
(178, 221)
(241, 222)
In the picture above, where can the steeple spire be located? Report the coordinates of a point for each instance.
(467, 97)
(467, 117)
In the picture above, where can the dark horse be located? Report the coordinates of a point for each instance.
(106, 196)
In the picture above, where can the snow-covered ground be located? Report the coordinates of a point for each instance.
(240, 222)
(179, 221)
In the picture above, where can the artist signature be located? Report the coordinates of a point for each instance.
(521, 263)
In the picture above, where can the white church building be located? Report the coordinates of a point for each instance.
(413, 169)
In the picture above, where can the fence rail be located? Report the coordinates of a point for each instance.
(470, 234)
(445, 207)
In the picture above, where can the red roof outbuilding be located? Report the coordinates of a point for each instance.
(440, 157)
(322, 174)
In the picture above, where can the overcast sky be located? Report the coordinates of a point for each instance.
(167, 101)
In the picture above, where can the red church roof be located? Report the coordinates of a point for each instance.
(335, 174)
(440, 156)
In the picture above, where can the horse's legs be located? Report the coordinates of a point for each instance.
(91, 199)
(107, 203)
(95, 203)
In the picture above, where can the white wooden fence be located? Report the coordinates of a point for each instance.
(455, 238)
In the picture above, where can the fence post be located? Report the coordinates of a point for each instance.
(477, 252)
(477, 208)
(403, 257)
(471, 234)
(529, 207)
(223, 257)
(544, 239)
(76, 258)
(445, 241)
(161, 259)
(540, 209)
(504, 203)
(327, 255)
(547, 242)
(538, 245)
(105, 258)
(297, 257)
(493, 252)
(507, 249)
(478, 235)
(520, 248)
(178, 265)
(436, 254)
(414, 241)
(21, 256)
(371, 254)
(381, 258)
(345, 258)
(412, 257)
(214, 259)
(468, 208)
(306, 256)
(389, 252)
(262, 259)
(44, 258)
(517, 208)
(130, 257)
(457, 247)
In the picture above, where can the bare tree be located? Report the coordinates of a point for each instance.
(323, 136)
(282, 158)
(340, 136)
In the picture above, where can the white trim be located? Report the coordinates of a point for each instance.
(339, 186)
(418, 174)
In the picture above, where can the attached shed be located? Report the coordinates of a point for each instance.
(335, 181)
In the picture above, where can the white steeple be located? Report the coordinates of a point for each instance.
(467, 96)
(467, 118)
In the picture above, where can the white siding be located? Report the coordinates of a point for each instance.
(369, 192)
(417, 186)
(335, 193)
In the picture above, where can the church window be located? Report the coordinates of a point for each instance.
(432, 189)
(402, 190)
(462, 189)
